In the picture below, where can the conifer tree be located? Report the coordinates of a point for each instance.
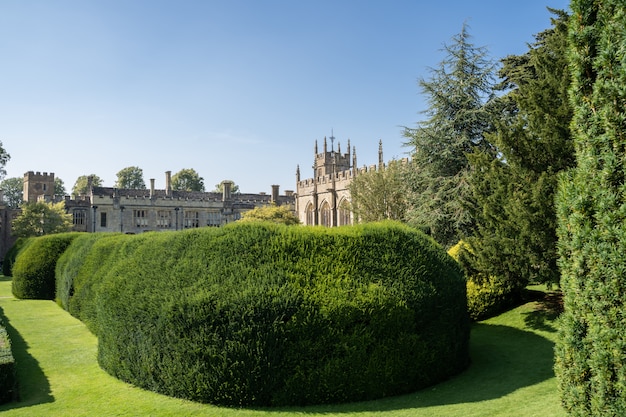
(513, 195)
(458, 119)
(591, 209)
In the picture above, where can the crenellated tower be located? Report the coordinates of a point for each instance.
(38, 186)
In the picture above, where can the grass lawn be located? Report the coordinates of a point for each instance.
(511, 373)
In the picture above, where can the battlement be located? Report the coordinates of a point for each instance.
(38, 186)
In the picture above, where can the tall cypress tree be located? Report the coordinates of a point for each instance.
(591, 203)
(457, 121)
(513, 195)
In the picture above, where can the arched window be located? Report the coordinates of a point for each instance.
(345, 215)
(325, 214)
(310, 214)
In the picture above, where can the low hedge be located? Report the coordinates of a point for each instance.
(9, 257)
(34, 268)
(8, 372)
(263, 314)
(486, 296)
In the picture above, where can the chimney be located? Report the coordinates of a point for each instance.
(168, 183)
(275, 193)
(151, 187)
(226, 190)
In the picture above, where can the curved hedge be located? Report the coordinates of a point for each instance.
(34, 268)
(261, 314)
(9, 257)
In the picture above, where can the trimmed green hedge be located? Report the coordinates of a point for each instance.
(8, 372)
(262, 314)
(9, 257)
(34, 268)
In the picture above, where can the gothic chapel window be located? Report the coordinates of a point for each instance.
(310, 215)
(325, 212)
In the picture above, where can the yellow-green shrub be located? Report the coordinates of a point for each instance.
(486, 296)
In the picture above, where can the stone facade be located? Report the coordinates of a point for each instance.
(325, 198)
(107, 209)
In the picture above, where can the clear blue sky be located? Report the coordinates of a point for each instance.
(235, 89)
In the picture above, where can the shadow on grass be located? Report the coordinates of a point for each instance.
(33, 385)
(548, 307)
(503, 360)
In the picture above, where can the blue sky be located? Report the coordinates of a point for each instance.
(235, 89)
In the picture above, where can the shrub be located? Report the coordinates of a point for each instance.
(262, 314)
(8, 375)
(81, 269)
(9, 257)
(34, 268)
(486, 296)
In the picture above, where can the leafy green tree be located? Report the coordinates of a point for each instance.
(379, 194)
(271, 213)
(219, 188)
(591, 212)
(81, 186)
(513, 195)
(41, 218)
(187, 179)
(130, 178)
(59, 187)
(13, 191)
(458, 118)
(4, 158)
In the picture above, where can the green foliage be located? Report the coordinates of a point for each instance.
(130, 178)
(591, 206)
(271, 213)
(83, 267)
(34, 268)
(458, 118)
(513, 195)
(41, 218)
(187, 179)
(219, 188)
(4, 158)
(11, 255)
(264, 314)
(8, 372)
(380, 194)
(12, 192)
(59, 187)
(487, 295)
(81, 186)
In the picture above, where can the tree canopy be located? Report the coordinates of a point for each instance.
(220, 188)
(379, 194)
(458, 118)
(59, 187)
(13, 191)
(187, 179)
(41, 218)
(4, 158)
(513, 195)
(130, 178)
(81, 186)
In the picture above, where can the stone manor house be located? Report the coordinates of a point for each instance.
(323, 199)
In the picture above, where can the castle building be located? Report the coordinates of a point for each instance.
(324, 199)
(108, 209)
